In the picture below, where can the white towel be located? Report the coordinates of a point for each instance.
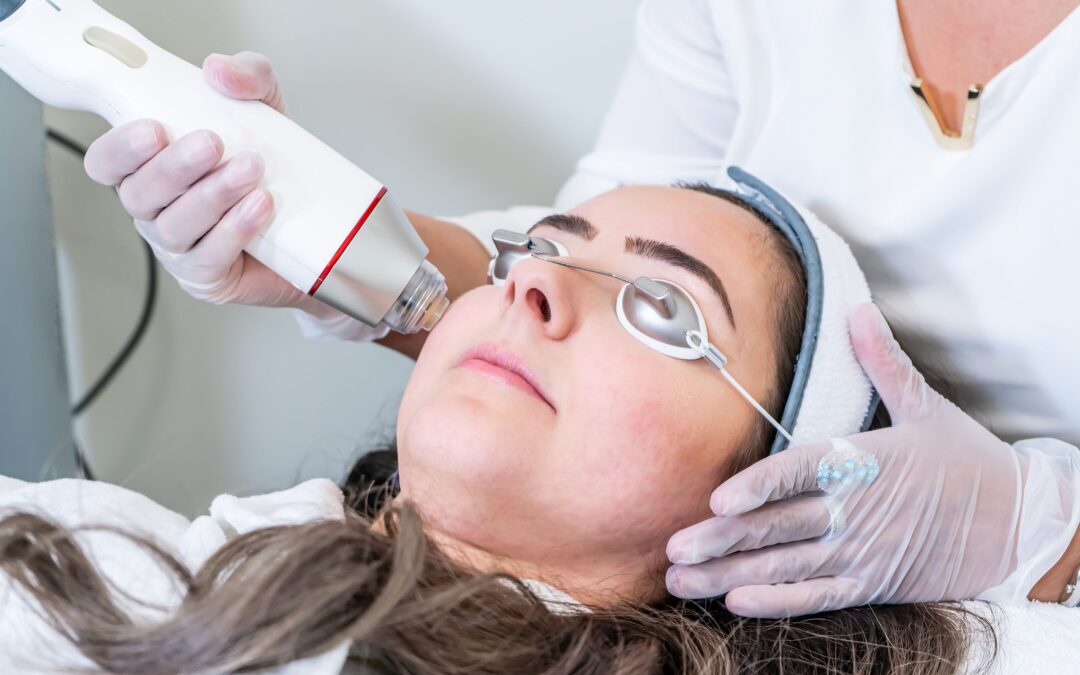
(1033, 637)
(27, 643)
(838, 391)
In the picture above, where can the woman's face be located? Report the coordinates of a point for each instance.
(614, 446)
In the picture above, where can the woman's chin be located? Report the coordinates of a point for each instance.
(472, 441)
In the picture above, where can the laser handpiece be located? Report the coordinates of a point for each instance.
(336, 235)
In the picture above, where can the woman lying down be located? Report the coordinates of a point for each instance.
(560, 424)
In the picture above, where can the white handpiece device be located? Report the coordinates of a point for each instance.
(336, 235)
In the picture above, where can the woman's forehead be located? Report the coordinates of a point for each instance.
(679, 216)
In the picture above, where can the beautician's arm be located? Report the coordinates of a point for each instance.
(1051, 587)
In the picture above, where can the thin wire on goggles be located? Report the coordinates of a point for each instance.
(705, 350)
(694, 339)
(583, 268)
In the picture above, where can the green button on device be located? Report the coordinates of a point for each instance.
(118, 46)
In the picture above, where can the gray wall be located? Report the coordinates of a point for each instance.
(35, 425)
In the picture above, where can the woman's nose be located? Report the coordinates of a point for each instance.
(541, 294)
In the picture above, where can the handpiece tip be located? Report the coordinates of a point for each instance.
(434, 313)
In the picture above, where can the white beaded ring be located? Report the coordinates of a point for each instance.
(846, 468)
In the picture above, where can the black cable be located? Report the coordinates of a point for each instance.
(66, 141)
(80, 464)
(121, 358)
(133, 341)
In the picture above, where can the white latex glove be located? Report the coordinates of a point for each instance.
(198, 213)
(940, 522)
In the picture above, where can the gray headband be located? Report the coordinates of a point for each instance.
(769, 204)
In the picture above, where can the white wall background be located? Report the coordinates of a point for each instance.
(458, 106)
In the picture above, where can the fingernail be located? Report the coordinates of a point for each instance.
(254, 204)
(242, 171)
(200, 149)
(678, 555)
(718, 505)
(674, 582)
(734, 602)
(725, 505)
(143, 140)
(687, 553)
(241, 65)
(689, 582)
(871, 315)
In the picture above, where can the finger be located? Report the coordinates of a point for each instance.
(823, 594)
(121, 151)
(247, 76)
(902, 387)
(774, 565)
(225, 242)
(785, 474)
(169, 174)
(199, 209)
(781, 522)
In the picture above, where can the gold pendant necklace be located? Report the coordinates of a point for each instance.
(947, 138)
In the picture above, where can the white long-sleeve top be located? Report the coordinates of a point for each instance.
(969, 253)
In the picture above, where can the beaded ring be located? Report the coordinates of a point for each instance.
(846, 468)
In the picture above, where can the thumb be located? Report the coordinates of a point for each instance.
(902, 388)
(248, 76)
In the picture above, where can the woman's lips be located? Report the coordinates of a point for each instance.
(506, 367)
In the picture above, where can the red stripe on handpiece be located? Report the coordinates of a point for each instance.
(348, 240)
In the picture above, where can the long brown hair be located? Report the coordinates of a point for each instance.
(282, 593)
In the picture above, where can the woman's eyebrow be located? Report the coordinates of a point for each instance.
(658, 250)
(648, 248)
(570, 224)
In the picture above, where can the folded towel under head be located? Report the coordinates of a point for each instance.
(830, 393)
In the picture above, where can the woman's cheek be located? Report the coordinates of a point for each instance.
(632, 447)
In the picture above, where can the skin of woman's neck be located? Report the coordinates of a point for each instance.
(955, 43)
(586, 578)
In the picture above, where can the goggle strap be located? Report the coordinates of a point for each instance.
(757, 406)
(710, 353)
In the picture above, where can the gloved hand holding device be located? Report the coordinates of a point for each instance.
(333, 231)
(196, 213)
(953, 512)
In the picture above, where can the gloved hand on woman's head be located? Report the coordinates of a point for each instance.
(953, 512)
(196, 212)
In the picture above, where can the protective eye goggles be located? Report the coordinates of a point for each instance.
(659, 314)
